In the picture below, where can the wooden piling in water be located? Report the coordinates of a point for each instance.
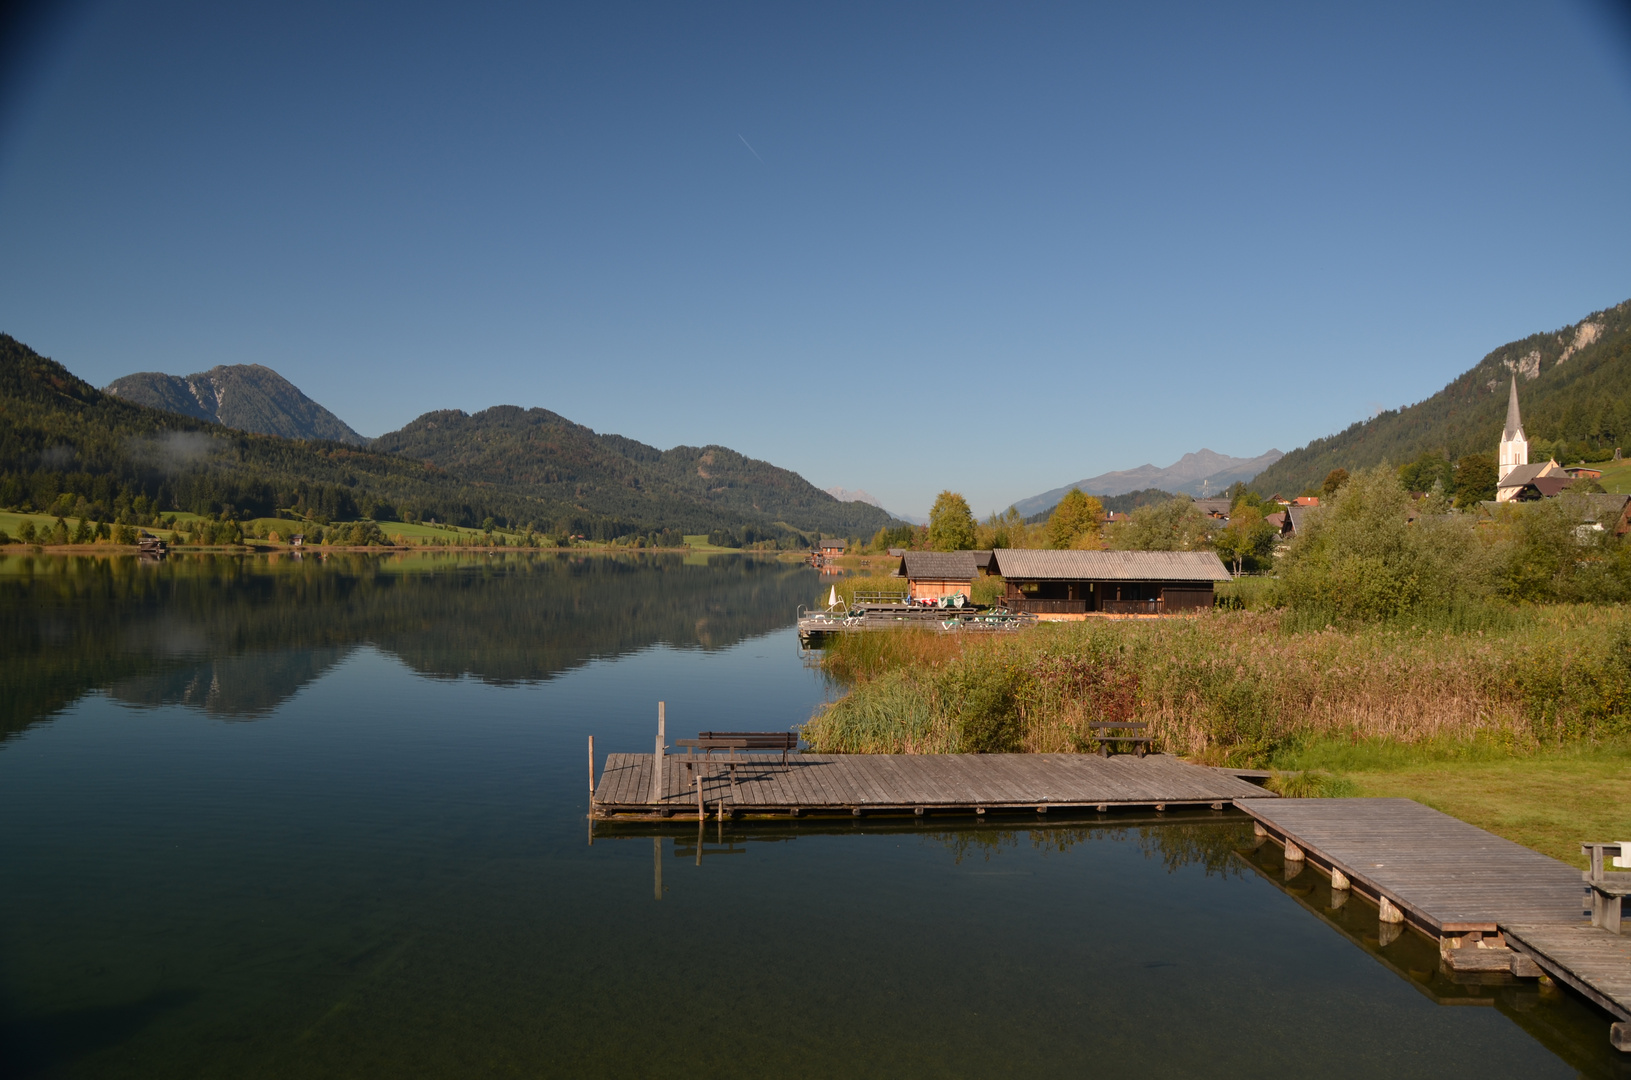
(657, 760)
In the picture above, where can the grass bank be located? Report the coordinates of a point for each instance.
(1236, 688)
(1547, 799)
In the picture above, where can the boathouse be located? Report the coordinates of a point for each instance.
(932, 574)
(1056, 585)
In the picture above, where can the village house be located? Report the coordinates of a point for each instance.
(1063, 585)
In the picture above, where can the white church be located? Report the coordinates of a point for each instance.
(1514, 473)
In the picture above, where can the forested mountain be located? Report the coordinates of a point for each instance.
(71, 449)
(248, 397)
(1575, 390)
(545, 454)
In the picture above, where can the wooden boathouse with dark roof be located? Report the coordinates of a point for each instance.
(1075, 584)
(932, 574)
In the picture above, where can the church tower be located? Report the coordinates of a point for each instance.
(1514, 446)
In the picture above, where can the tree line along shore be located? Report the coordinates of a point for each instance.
(1391, 638)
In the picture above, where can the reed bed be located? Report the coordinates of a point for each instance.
(1234, 687)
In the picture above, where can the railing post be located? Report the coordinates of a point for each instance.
(657, 759)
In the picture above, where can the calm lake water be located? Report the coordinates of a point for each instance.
(275, 818)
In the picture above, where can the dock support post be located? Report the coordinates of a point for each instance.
(1293, 852)
(591, 771)
(657, 866)
(1258, 830)
(1619, 1035)
(1387, 911)
(657, 760)
(1339, 880)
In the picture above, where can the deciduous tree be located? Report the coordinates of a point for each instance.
(1075, 522)
(951, 523)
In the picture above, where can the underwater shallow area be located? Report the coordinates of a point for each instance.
(328, 819)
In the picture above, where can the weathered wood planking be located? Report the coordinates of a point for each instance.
(1590, 959)
(1445, 875)
(830, 783)
(1452, 878)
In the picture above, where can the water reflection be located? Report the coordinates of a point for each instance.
(1571, 1029)
(237, 636)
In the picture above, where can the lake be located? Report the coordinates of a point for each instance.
(273, 817)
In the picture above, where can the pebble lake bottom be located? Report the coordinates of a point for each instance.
(236, 847)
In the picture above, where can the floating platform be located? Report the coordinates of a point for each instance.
(1493, 905)
(860, 784)
(817, 625)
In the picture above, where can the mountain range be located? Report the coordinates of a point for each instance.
(1574, 386)
(64, 439)
(1203, 472)
(248, 397)
(549, 456)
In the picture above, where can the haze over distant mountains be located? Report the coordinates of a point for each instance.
(1203, 472)
(858, 495)
(248, 397)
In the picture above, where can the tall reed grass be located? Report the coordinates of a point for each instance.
(1236, 687)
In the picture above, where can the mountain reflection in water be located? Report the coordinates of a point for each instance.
(236, 636)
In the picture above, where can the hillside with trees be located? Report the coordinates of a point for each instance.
(1575, 386)
(547, 455)
(248, 397)
(69, 449)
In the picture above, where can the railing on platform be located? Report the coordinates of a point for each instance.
(880, 598)
(1132, 607)
(1047, 607)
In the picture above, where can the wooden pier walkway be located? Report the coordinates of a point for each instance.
(858, 784)
(1493, 905)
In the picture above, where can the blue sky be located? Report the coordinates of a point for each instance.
(898, 247)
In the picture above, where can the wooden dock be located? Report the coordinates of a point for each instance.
(917, 784)
(1492, 905)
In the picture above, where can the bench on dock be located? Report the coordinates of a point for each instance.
(731, 742)
(1607, 889)
(1107, 732)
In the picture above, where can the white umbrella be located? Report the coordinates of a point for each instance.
(832, 601)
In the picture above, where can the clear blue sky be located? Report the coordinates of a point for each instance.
(897, 247)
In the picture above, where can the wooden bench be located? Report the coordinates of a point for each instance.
(1607, 889)
(731, 742)
(1134, 732)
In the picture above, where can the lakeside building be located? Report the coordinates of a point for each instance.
(932, 574)
(1064, 585)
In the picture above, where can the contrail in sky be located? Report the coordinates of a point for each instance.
(749, 145)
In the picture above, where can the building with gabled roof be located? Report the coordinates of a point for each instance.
(1075, 584)
(932, 574)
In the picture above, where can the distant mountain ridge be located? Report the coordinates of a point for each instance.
(846, 495)
(249, 397)
(1202, 472)
(64, 439)
(1574, 385)
(547, 455)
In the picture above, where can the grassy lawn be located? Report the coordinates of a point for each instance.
(698, 542)
(1616, 476)
(1549, 801)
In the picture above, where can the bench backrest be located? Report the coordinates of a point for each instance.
(749, 740)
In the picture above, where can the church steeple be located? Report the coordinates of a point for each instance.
(1514, 445)
(1514, 423)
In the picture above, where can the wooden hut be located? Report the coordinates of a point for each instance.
(932, 574)
(1074, 584)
